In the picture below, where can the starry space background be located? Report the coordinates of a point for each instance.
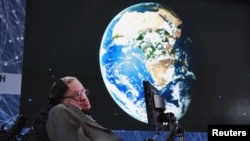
(63, 37)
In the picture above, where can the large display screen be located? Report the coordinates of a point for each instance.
(70, 38)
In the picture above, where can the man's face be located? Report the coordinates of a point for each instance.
(77, 95)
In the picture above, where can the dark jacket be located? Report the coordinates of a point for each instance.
(69, 123)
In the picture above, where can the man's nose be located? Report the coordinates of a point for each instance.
(83, 97)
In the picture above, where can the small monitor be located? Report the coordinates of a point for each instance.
(155, 106)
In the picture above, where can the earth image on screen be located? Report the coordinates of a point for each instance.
(146, 41)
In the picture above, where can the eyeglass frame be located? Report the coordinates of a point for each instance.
(79, 94)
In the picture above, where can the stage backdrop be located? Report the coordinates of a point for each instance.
(12, 19)
(64, 37)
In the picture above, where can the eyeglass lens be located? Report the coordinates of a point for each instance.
(78, 95)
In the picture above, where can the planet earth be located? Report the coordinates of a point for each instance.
(147, 41)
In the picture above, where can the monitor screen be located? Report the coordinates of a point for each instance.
(155, 106)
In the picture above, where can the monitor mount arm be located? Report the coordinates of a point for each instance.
(175, 128)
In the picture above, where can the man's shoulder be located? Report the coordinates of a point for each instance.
(59, 106)
(63, 107)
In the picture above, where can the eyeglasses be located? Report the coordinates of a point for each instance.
(78, 95)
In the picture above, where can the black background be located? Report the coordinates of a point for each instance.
(62, 37)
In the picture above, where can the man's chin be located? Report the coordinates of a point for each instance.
(85, 108)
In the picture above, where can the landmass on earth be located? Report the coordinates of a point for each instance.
(155, 33)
